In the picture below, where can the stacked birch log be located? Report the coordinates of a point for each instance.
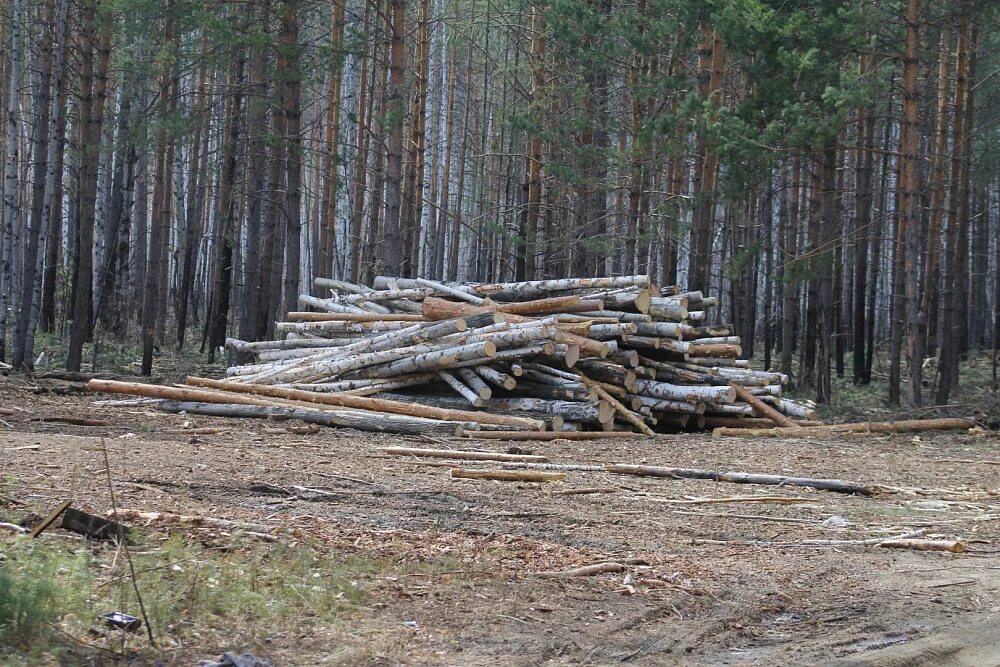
(570, 356)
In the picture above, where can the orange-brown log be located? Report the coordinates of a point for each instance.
(369, 403)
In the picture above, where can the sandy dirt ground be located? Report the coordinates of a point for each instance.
(706, 583)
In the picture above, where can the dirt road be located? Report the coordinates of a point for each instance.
(706, 583)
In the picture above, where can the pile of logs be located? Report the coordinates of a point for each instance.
(567, 356)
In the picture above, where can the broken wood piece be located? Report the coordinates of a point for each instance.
(835, 485)
(508, 475)
(75, 421)
(585, 571)
(951, 546)
(369, 403)
(551, 435)
(776, 500)
(50, 518)
(903, 426)
(463, 454)
(586, 490)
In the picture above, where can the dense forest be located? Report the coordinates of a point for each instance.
(178, 171)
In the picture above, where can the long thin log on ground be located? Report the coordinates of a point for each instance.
(951, 546)
(171, 393)
(370, 403)
(550, 435)
(357, 419)
(740, 478)
(462, 454)
(906, 426)
(773, 500)
(585, 571)
(750, 422)
(508, 475)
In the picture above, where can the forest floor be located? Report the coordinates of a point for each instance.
(409, 566)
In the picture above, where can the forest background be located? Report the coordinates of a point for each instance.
(177, 172)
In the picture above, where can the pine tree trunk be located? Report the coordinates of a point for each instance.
(192, 213)
(327, 260)
(863, 231)
(222, 262)
(40, 138)
(534, 161)
(929, 299)
(288, 71)
(360, 152)
(394, 116)
(11, 207)
(909, 211)
(790, 283)
(948, 356)
(159, 231)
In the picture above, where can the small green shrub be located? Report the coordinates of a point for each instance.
(39, 586)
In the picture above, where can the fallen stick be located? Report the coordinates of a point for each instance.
(363, 421)
(951, 546)
(905, 426)
(714, 421)
(13, 527)
(463, 455)
(874, 541)
(508, 475)
(75, 421)
(585, 571)
(835, 485)
(552, 435)
(50, 518)
(367, 403)
(777, 500)
(586, 491)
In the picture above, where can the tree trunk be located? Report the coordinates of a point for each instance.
(40, 138)
(909, 204)
(394, 116)
(863, 230)
(159, 231)
(288, 71)
(222, 262)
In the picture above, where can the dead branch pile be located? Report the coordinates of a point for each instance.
(567, 355)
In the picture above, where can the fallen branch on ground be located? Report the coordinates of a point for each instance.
(585, 571)
(508, 475)
(952, 546)
(905, 426)
(463, 455)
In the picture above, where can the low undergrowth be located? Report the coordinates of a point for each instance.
(975, 395)
(237, 597)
